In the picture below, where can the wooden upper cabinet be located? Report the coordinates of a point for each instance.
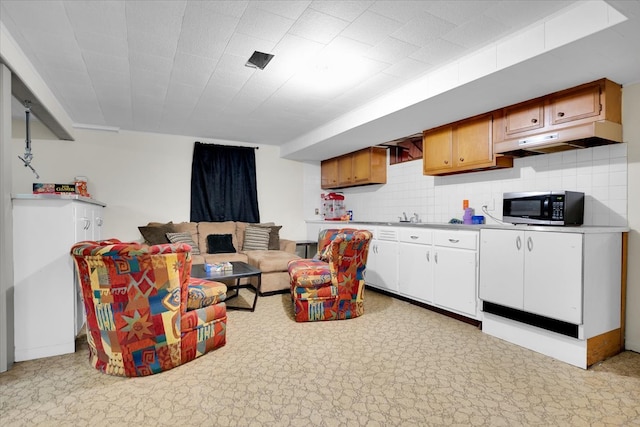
(462, 146)
(362, 167)
(576, 104)
(345, 170)
(524, 117)
(437, 150)
(329, 173)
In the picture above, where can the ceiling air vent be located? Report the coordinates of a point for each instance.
(259, 60)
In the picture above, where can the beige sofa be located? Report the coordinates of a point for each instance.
(272, 263)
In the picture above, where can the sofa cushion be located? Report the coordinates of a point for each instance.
(156, 234)
(202, 293)
(274, 235)
(191, 228)
(270, 261)
(220, 244)
(256, 238)
(207, 228)
(184, 237)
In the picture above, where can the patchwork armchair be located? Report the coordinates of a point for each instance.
(331, 286)
(144, 313)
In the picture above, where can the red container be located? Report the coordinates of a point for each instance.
(333, 206)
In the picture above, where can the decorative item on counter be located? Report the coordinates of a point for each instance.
(455, 221)
(465, 204)
(468, 216)
(350, 213)
(42, 188)
(81, 186)
(477, 219)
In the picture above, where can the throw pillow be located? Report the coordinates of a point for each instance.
(256, 238)
(184, 238)
(274, 235)
(156, 234)
(220, 244)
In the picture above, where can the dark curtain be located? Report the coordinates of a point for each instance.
(223, 184)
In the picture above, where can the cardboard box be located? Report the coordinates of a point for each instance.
(45, 188)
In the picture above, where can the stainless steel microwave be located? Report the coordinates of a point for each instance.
(543, 207)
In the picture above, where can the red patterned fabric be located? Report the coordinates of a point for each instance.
(136, 300)
(315, 298)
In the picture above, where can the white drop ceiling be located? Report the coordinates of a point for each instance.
(178, 67)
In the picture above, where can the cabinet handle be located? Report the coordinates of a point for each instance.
(435, 257)
(529, 244)
(99, 221)
(462, 159)
(518, 242)
(87, 224)
(560, 114)
(414, 237)
(428, 260)
(534, 121)
(454, 240)
(446, 162)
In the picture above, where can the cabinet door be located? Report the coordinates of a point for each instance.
(345, 170)
(329, 173)
(361, 166)
(502, 267)
(437, 146)
(553, 275)
(454, 277)
(415, 275)
(575, 104)
(382, 265)
(524, 117)
(473, 142)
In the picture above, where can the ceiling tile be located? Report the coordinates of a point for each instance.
(244, 45)
(143, 62)
(157, 17)
(288, 9)
(102, 43)
(317, 26)
(399, 10)
(192, 70)
(407, 68)
(371, 28)
(263, 25)
(438, 51)
(43, 15)
(149, 44)
(391, 50)
(422, 29)
(345, 10)
(98, 61)
(460, 11)
(477, 32)
(102, 17)
(205, 34)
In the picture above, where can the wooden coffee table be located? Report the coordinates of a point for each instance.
(240, 270)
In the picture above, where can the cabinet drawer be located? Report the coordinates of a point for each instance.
(456, 239)
(419, 236)
(387, 234)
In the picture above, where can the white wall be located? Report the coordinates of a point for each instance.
(631, 134)
(599, 172)
(146, 177)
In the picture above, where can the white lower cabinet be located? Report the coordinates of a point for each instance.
(534, 271)
(382, 260)
(48, 311)
(415, 275)
(455, 271)
(557, 293)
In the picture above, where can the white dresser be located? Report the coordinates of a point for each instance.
(48, 310)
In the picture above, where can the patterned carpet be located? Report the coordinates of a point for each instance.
(398, 364)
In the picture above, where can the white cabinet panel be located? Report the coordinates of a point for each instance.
(455, 280)
(382, 265)
(47, 305)
(415, 274)
(501, 267)
(553, 275)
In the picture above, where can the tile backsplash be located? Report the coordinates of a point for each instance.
(599, 172)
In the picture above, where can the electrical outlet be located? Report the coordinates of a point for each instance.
(490, 204)
(317, 211)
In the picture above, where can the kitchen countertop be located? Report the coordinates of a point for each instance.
(582, 229)
(45, 196)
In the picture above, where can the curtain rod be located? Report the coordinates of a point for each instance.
(224, 145)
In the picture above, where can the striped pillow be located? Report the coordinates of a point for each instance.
(256, 238)
(184, 238)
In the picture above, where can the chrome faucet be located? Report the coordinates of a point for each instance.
(415, 218)
(404, 214)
